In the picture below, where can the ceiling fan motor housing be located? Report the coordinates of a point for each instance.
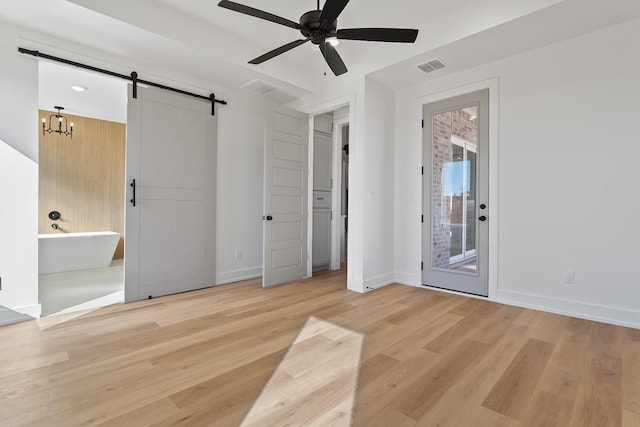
(310, 22)
(319, 25)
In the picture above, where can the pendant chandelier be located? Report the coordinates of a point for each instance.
(64, 127)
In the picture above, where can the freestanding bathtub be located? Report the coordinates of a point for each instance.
(75, 251)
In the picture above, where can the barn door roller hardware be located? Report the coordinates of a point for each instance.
(132, 78)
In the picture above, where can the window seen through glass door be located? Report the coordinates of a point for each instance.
(454, 191)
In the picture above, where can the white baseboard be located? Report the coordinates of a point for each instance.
(30, 310)
(238, 275)
(406, 279)
(355, 285)
(377, 282)
(598, 313)
(19, 314)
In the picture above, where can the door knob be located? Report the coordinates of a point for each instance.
(483, 206)
(268, 217)
(482, 218)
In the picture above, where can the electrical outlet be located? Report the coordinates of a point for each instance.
(569, 277)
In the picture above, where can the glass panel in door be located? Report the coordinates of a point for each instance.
(454, 190)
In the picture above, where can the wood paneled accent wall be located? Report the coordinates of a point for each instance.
(83, 178)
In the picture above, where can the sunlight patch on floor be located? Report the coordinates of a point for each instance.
(315, 384)
(76, 311)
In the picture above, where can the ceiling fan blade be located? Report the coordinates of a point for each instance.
(396, 35)
(236, 7)
(333, 58)
(330, 12)
(278, 51)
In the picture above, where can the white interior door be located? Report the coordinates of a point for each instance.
(456, 194)
(285, 198)
(170, 232)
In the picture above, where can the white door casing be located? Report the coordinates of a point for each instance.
(170, 232)
(285, 198)
(338, 198)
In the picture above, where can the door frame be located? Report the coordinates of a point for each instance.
(493, 85)
(335, 203)
(336, 193)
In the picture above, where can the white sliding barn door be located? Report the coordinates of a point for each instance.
(170, 232)
(285, 198)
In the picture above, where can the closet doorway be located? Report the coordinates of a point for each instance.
(330, 190)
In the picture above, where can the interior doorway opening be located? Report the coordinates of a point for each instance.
(329, 190)
(81, 191)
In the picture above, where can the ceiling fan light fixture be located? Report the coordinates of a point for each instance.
(319, 26)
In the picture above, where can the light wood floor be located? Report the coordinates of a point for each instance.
(428, 359)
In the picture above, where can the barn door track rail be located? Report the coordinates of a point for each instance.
(133, 77)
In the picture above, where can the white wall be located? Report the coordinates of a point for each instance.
(371, 191)
(568, 196)
(378, 177)
(241, 138)
(19, 84)
(18, 177)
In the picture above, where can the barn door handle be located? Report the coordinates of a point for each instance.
(133, 185)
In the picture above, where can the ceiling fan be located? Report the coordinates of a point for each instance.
(320, 27)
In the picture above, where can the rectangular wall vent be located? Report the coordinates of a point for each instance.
(433, 65)
(259, 87)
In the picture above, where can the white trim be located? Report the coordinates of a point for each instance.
(377, 282)
(493, 84)
(310, 149)
(321, 108)
(355, 285)
(30, 310)
(330, 105)
(238, 275)
(407, 279)
(598, 313)
(336, 192)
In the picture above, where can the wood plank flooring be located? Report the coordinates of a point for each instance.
(206, 358)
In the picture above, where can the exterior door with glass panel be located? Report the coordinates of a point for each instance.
(455, 228)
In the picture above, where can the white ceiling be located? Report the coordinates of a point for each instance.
(174, 41)
(105, 97)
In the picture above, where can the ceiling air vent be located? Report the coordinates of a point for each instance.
(259, 87)
(433, 65)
